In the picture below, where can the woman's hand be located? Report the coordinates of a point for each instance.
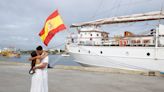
(30, 59)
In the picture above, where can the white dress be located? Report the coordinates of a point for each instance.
(39, 81)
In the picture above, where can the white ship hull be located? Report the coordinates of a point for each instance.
(141, 58)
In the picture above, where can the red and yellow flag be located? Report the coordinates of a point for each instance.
(53, 25)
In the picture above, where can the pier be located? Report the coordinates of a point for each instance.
(14, 77)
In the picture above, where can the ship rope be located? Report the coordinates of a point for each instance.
(56, 60)
(98, 8)
(56, 46)
(119, 5)
(63, 43)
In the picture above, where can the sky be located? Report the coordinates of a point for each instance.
(22, 20)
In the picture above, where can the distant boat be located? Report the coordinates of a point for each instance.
(17, 55)
(10, 53)
(65, 55)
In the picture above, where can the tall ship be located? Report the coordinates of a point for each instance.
(91, 46)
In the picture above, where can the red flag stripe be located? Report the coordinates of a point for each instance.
(53, 32)
(54, 14)
(41, 32)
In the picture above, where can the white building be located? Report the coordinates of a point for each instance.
(92, 37)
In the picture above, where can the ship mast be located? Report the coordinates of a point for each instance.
(157, 38)
(156, 15)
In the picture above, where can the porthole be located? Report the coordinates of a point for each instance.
(101, 52)
(127, 53)
(148, 54)
(78, 50)
(89, 51)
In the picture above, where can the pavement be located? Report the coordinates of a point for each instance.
(15, 78)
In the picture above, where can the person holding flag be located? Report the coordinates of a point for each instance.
(53, 25)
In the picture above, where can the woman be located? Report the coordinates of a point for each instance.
(37, 77)
(33, 63)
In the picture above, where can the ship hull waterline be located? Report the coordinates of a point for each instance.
(138, 58)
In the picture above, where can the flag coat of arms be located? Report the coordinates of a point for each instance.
(53, 25)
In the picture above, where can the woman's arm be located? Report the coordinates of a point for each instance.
(43, 64)
(33, 58)
(45, 54)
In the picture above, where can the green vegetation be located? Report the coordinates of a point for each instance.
(52, 52)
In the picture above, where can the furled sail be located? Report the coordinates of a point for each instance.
(156, 15)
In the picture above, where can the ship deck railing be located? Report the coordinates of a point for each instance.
(114, 45)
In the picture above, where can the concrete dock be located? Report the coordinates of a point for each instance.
(15, 78)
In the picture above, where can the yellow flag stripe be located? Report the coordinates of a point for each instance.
(50, 25)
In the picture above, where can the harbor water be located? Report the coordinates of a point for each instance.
(53, 60)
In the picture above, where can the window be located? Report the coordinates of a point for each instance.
(91, 34)
(148, 54)
(146, 41)
(138, 41)
(101, 52)
(90, 39)
(97, 34)
(89, 51)
(153, 41)
(133, 41)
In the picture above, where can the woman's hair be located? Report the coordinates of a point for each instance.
(33, 54)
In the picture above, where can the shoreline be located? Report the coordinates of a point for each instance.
(13, 63)
(92, 69)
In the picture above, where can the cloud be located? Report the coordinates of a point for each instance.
(9, 26)
(23, 19)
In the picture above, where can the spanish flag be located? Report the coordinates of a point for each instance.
(53, 25)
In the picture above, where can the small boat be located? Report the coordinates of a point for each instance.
(65, 55)
(8, 52)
